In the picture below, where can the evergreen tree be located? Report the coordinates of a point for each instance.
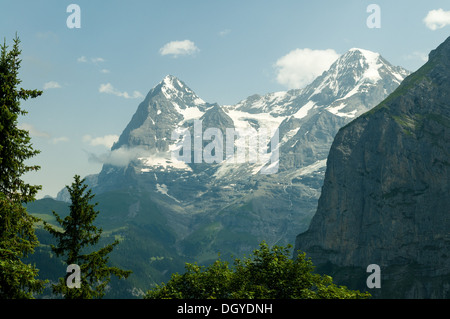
(15, 143)
(17, 237)
(77, 236)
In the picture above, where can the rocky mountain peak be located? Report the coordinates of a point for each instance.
(353, 84)
(354, 72)
(166, 106)
(171, 85)
(177, 92)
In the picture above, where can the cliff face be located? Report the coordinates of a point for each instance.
(386, 194)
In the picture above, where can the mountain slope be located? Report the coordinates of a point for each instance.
(385, 198)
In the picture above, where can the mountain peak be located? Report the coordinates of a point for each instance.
(364, 60)
(178, 92)
(353, 72)
(368, 59)
(172, 83)
(171, 80)
(364, 52)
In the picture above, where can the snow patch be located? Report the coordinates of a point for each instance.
(289, 135)
(188, 113)
(164, 190)
(336, 111)
(372, 59)
(265, 120)
(311, 168)
(304, 110)
(199, 101)
(162, 162)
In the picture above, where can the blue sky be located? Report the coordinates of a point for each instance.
(94, 77)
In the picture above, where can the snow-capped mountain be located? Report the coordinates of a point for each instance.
(167, 106)
(214, 202)
(354, 73)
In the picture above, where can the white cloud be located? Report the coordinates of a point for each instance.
(109, 89)
(437, 19)
(47, 36)
(51, 85)
(301, 66)
(224, 32)
(61, 139)
(97, 60)
(119, 157)
(107, 140)
(177, 48)
(33, 131)
(84, 59)
(124, 155)
(105, 71)
(417, 55)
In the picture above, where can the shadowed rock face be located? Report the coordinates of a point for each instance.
(386, 194)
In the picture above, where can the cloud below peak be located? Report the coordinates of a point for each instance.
(119, 157)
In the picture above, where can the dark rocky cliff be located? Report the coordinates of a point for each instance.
(386, 194)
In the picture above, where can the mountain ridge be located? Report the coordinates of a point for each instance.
(385, 194)
(228, 206)
(307, 128)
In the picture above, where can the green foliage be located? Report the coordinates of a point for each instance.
(78, 234)
(17, 237)
(147, 245)
(17, 240)
(15, 143)
(270, 274)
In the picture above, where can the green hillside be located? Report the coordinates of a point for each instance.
(146, 244)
